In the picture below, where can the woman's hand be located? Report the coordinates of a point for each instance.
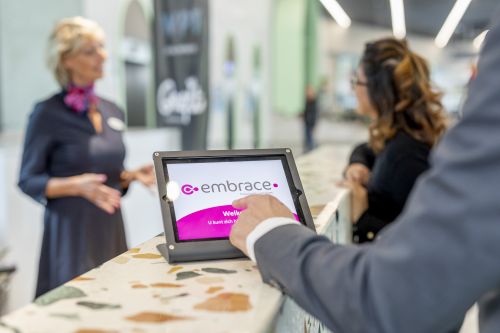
(358, 173)
(359, 198)
(144, 175)
(91, 187)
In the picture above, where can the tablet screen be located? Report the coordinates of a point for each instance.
(201, 191)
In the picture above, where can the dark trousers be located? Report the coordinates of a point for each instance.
(309, 143)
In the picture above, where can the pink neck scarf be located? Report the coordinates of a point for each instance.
(79, 99)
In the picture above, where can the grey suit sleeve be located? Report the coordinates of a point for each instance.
(440, 256)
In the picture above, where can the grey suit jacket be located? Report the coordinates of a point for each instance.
(441, 255)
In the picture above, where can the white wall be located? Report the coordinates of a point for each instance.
(24, 225)
(249, 22)
(113, 84)
(141, 208)
(25, 26)
(3, 205)
(24, 77)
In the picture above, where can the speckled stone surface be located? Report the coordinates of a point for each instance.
(139, 292)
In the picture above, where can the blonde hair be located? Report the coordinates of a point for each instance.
(66, 39)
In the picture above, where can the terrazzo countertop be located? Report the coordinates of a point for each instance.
(139, 292)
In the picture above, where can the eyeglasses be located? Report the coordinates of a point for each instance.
(355, 81)
(93, 49)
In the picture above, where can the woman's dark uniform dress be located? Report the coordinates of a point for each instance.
(60, 142)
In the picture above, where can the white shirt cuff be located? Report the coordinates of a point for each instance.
(262, 229)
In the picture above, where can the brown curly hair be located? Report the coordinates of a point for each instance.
(400, 90)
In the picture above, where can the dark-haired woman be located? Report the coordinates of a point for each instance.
(393, 88)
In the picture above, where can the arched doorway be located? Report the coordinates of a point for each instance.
(137, 57)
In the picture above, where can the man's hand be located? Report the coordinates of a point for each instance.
(256, 209)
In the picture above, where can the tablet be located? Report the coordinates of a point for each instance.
(197, 188)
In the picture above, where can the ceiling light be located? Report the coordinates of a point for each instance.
(398, 19)
(337, 12)
(478, 41)
(449, 26)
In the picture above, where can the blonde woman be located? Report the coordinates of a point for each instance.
(73, 160)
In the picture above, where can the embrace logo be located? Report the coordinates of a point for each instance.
(228, 186)
(189, 189)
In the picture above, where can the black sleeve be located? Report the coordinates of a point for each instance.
(367, 227)
(118, 113)
(124, 190)
(363, 154)
(381, 211)
(387, 195)
(401, 177)
(38, 142)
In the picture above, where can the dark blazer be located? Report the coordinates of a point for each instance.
(393, 173)
(78, 235)
(441, 256)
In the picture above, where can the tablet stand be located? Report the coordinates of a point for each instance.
(162, 248)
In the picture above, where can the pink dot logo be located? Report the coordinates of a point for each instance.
(189, 189)
(275, 185)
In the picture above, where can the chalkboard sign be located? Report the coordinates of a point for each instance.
(181, 63)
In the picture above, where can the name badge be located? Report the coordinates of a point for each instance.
(116, 124)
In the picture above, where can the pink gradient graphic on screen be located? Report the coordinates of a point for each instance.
(214, 222)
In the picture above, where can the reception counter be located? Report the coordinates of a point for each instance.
(139, 292)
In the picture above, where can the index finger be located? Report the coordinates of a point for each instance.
(245, 202)
(97, 177)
